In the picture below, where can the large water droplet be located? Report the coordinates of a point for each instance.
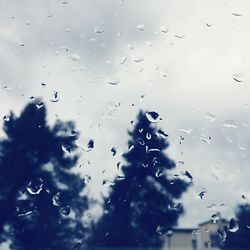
(152, 116)
(233, 226)
(35, 186)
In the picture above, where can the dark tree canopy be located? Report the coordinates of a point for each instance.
(142, 205)
(40, 198)
(239, 239)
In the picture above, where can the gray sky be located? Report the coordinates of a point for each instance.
(188, 58)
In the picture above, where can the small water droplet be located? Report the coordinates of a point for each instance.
(138, 59)
(202, 193)
(215, 217)
(56, 200)
(99, 29)
(174, 206)
(113, 150)
(24, 208)
(209, 23)
(148, 136)
(113, 81)
(35, 186)
(65, 210)
(238, 78)
(39, 105)
(74, 57)
(141, 27)
(164, 29)
(66, 149)
(211, 117)
(179, 35)
(123, 60)
(229, 124)
(236, 13)
(54, 97)
(6, 118)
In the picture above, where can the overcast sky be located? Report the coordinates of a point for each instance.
(190, 61)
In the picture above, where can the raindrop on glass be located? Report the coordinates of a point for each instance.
(140, 27)
(74, 57)
(229, 124)
(233, 226)
(152, 116)
(211, 117)
(65, 210)
(35, 186)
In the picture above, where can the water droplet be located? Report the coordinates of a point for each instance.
(202, 193)
(138, 59)
(140, 27)
(206, 139)
(54, 97)
(229, 124)
(222, 234)
(87, 179)
(179, 35)
(123, 60)
(233, 226)
(159, 172)
(148, 136)
(211, 117)
(163, 73)
(65, 210)
(243, 197)
(113, 150)
(209, 23)
(24, 208)
(152, 116)
(186, 131)
(90, 145)
(108, 183)
(164, 29)
(236, 13)
(161, 133)
(35, 186)
(6, 118)
(113, 81)
(99, 29)
(174, 206)
(120, 178)
(39, 105)
(74, 57)
(66, 149)
(215, 217)
(56, 200)
(238, 77)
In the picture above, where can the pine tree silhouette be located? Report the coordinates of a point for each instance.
(142, 205)
(40, 198)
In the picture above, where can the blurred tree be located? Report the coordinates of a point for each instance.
(238, 231)
(142, 204)
(40, 197)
